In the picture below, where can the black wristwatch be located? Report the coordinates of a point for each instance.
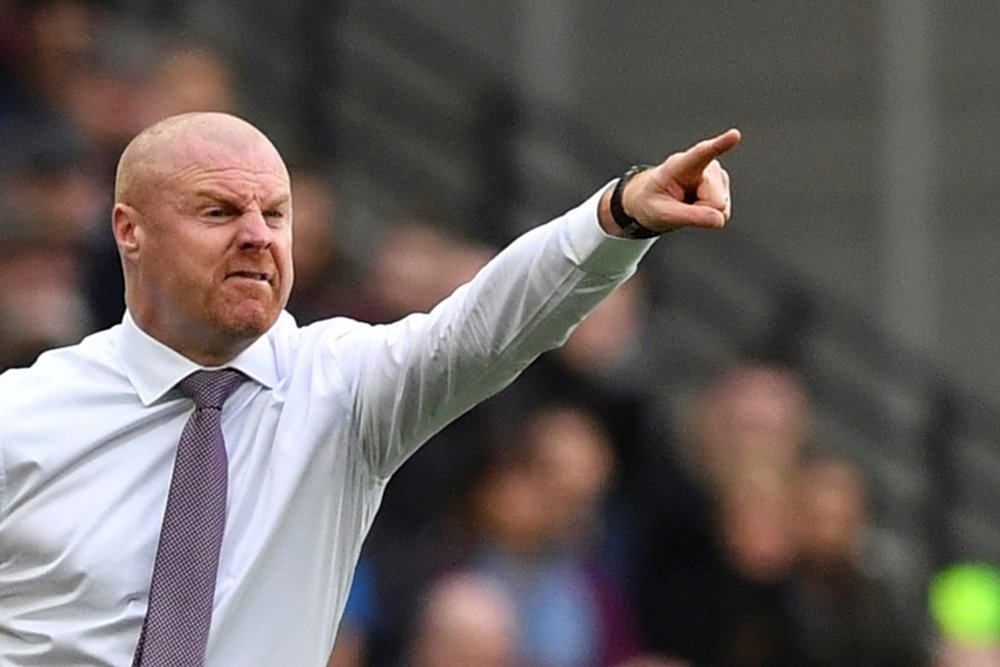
(631, 229)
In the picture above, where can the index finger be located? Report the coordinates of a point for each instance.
(694, 160)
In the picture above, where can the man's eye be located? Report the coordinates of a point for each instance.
(217, 213)
(275, 218)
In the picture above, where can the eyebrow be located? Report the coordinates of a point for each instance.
(224, 196)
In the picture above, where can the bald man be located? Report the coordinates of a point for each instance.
(105, 540)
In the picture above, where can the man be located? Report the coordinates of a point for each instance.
(114, 547)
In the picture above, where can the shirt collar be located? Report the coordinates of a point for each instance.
(154, 369)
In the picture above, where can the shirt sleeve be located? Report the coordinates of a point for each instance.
(411, 378)
(3, 481)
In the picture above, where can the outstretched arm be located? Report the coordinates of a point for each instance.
(416, 375)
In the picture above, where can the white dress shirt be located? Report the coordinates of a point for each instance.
(88, 436)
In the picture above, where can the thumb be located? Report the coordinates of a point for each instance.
(688, 166)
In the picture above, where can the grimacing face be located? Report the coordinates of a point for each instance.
(205, 231)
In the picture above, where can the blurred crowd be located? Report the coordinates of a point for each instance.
(571, 521)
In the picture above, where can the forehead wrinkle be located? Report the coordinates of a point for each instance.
(237, 185)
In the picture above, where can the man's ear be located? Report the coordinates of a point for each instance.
(125, 225)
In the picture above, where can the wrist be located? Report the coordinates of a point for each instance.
(628, 226)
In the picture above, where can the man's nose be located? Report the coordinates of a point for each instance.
(254, 231)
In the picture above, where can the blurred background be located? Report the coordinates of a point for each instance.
(770, 448)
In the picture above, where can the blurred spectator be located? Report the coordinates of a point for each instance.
(466, 620)
(747, 601)
(47, 187)
(326, 281)
(45, 46)
(48, 197)
(605, 367)
(716, 576)
(533, 511)
(44, 168)
(41, 305)
(843, 602)
(137, 77)
(756, 524)
(411, 542)
(190, 77)
(416, 265)
(573, 457)
(754, 412)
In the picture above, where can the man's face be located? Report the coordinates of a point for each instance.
(213, 267)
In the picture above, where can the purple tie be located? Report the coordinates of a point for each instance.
(179, 615)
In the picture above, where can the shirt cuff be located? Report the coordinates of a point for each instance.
(596, 251)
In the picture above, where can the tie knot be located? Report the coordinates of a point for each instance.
(210, 389)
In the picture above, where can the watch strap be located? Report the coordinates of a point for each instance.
(630, 227)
